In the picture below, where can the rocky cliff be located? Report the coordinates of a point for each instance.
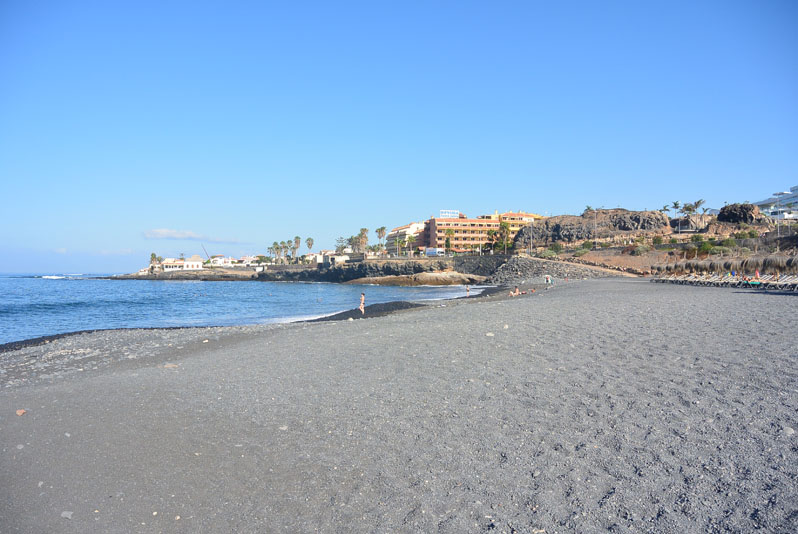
(741, 213)
(600, 224)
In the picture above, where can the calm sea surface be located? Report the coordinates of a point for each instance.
(41, 305)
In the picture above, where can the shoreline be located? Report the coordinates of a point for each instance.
(376, 310)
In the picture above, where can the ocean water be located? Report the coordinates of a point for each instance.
(41, 305)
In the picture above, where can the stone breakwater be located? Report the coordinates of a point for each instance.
(521, 269)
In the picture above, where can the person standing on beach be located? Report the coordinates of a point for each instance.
(468, 291)
(362, 306)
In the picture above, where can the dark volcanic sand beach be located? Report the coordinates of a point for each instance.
(606, 405)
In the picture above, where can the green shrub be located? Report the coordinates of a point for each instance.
(587, 244)
(705, 247)
(556, 247)
(753, 234)
(640, 250)
(719, 250)
(581, 252)
(674, 241)
(548, 254)
(729, 243)
(696, 238)
(657, 240)
(640, 239)
(745, 250)
(604, 245)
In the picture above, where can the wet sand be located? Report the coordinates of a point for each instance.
(606, 405)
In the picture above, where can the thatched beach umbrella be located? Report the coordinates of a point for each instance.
(679, 266)
(792, 265)
(752, 264)
(775, 263)
(715, 266)
(733, 265)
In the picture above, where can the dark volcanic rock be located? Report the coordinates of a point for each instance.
(741, 213)
(479, 265)
(590, 225)
(521, 269)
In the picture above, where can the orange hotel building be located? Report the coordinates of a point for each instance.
(470, 232)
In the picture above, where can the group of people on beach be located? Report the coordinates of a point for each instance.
(516, 292)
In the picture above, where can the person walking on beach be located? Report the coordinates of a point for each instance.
(362, 306)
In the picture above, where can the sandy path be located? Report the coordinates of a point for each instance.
(608, 405)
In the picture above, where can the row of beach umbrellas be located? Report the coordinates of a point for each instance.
(780, 263)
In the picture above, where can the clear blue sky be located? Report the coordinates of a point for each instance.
(249, 122)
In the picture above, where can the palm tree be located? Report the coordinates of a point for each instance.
(504, 234)
(309, 243)
(675, 207)
(697, 205)
(297, 243)
(363, 239)
(491, 237)
(380, 234)
(400, 244)
(410, 240)
(283, 250)
(276, 250)
(448, 243)
(153, 258)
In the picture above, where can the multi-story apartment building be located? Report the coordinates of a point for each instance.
(416, 229)
(463, 233)
(783, 205)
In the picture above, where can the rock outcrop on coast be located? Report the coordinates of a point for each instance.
(601, 224)
(470, 265)
(422, 279)
(523, 269)
(742, 213)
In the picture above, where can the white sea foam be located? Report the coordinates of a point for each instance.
(53, 277)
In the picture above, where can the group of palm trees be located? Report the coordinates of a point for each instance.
(686, 209)
(359, 243)
(280, 250)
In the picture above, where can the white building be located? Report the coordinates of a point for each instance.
(220, 261)
(194, 263)
(782, 206)
(400, 233)
(172, 264)
(314, 257)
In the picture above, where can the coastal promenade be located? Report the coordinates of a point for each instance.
(602, 405)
